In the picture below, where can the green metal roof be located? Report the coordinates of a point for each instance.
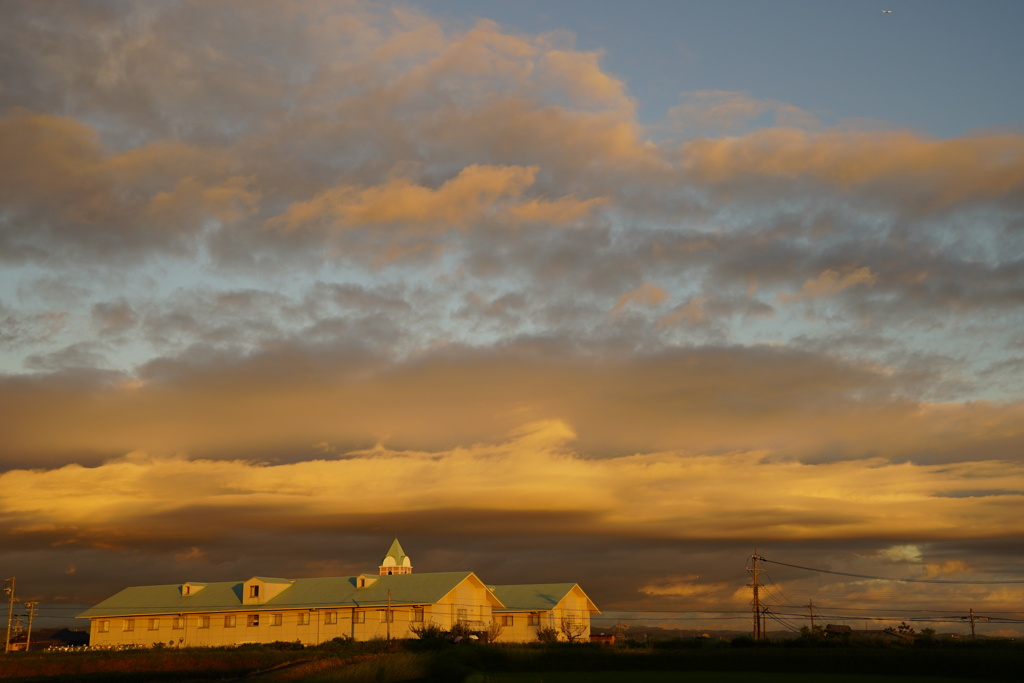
(406, 589)
(536, 597)
(396, 552)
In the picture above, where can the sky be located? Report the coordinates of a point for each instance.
(617, 294)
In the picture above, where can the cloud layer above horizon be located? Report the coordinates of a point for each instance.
(277, 272)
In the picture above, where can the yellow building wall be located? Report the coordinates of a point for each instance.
(520, 630)
(573, 606)
(467, 602)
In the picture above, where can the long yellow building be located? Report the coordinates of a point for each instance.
(389, 604)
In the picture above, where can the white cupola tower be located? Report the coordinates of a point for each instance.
(396, 561)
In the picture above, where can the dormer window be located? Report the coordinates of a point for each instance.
(259, 590)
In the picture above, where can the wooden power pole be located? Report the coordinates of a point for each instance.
(31, 604)
(10, 612)
(753, 569)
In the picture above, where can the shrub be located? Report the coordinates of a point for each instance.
(427, 630)
(547, 634)
(461, 629)
(339, 644)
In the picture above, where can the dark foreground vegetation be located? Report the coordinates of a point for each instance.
(444, 662)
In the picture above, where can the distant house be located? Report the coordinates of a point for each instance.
(45, 639)
(389, 604)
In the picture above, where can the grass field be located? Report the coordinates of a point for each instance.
(443, 662)
(696, 677)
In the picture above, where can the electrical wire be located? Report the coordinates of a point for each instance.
(886, 578)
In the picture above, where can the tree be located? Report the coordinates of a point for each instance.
(904, 629)
(494, 630)
(812, 632)
(925, 637)
(620, 630)
(571, 628)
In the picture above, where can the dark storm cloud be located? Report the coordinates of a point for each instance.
(284, 280)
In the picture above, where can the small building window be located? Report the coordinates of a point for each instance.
(533, 620)
(359, 617)
(229, 621)
(254, 591)
(330, 617)
(178, 623)
(276, 619)
(506, 619)
(128, 625)
(386, 616)
(303, 618)
(204, 622)
(154, 624)
(417, 614)
(462, 614)
(252, 620)
(103, 626)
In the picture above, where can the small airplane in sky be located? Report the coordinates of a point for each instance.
(887, 11)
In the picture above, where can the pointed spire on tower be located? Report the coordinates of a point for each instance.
(396, 561)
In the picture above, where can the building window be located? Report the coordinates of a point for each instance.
(204, 622)
(154, 624)
(386, 616)
(417, 614)
(179, 623)
(506, 619)
(359, 617)
(103, 626)
(275, 620)
(229, 621)
(330, 617)
(303, 618)
(128, 625)
(462, 614)
(533, 620)
(252, 620)
(254, 591)
(185, 590)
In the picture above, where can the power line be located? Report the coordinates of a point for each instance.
(887, 578)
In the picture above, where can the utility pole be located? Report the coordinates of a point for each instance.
(810, 606)
(387, 616)
(753, 569)
(9, 589)
(973, 619)
(31, 614)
